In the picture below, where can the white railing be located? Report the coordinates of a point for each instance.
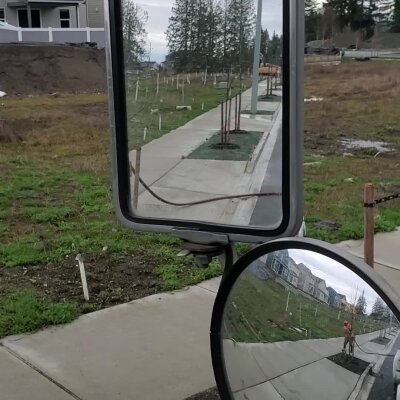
(10, 34)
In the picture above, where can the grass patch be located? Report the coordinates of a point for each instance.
(199, 96)
(243, 146)
(25, 311)
(176, 273)
(334, 192)
(257, 312)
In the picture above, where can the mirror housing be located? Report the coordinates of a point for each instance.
(292, 142)
(270, 333)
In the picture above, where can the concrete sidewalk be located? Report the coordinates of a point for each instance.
(149, 349)
(387, 255)
(167, 170)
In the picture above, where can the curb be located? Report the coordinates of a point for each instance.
(251, 164)
(363, 377)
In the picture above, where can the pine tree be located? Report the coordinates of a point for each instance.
(264, 43)
(358, 15)
(378, 309)
(178, 34)
(194, 35)
(361, 304)
(384, 12)
(240, 26)
(134, 32)
(396, 16)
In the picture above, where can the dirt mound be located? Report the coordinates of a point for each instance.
(44, 69)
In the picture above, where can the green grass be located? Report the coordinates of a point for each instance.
(201, 98)
(176, 273)
(329, 195)
(25, 311)
(257, 312)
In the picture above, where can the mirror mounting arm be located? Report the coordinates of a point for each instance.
(204, 246)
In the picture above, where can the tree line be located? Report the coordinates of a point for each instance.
(360, 16)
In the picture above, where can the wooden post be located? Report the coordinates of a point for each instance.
(239, 112)
(222, 122)
(287, 301)
(229, 116)
(369, 225)
(137, 90)
(236, 112)
(137, 175)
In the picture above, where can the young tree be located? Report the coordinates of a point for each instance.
(361, 305)
(134, 32)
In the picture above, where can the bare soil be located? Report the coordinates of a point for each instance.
(111, 279)
(45, 69)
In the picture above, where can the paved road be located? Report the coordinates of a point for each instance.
(265, 212)
(383, 385)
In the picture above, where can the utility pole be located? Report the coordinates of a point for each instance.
(256, 64)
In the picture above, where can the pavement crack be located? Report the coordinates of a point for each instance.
(39, 371)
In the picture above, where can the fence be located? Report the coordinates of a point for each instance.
(323, 58)
(53, 35)
(369, 227)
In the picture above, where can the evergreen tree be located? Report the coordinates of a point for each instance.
(264, 43)
(178, 34)
(274, 52)
(361, 304)
(396, 16)
(378, 309)
(194, 35)
(358, 15)
(134, 32)
(384, 12)
(240, 33)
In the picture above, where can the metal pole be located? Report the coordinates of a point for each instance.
(256, 63)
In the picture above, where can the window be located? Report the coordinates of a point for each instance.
(65, 19)
(23, 18)
(2, 15)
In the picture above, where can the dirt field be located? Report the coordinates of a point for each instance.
(34, 70)
(55, 198)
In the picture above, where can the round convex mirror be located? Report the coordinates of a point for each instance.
(297, 320)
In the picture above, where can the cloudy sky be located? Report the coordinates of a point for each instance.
(335, 275)
(159, 12)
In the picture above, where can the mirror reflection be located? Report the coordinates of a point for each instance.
(204, 109)
(298, 325)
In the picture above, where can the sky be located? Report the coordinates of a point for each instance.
(335, 275)
(159, 12)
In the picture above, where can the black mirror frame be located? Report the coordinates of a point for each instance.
(292, 136)
(365, 272)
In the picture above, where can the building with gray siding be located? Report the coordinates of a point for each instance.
(53, 13)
